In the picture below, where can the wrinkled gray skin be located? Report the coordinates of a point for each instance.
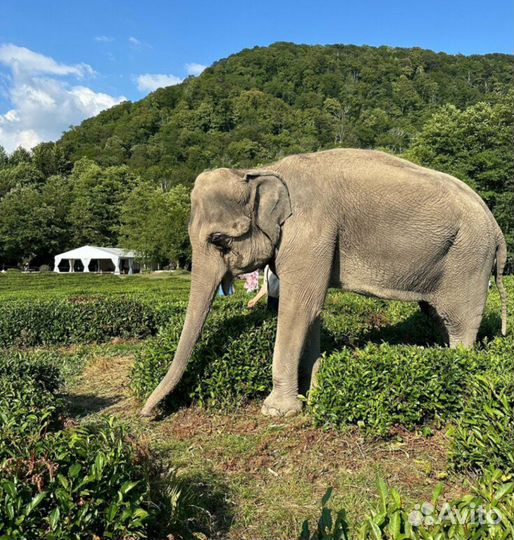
(360, 220)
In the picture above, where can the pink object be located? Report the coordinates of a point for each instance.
(251, 281)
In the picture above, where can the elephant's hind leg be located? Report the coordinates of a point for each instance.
(462, 318)
(431, 312)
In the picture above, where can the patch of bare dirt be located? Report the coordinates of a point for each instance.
(103, 387)
(266, 457)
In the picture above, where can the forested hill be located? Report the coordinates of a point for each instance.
(264, 103)
(123, 177)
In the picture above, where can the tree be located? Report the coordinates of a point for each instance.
(20, 155)
(265, 103)
(23, 173)
(154, 223)
(140, 223)
(25, 225)
(98, 196)
(176, 219)
(3, 157)
(49, 159)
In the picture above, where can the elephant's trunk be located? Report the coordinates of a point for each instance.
(203, 289)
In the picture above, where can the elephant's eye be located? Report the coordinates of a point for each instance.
(222, 242)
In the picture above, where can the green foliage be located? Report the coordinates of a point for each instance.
(154, 223)
(26, 224)
(375, 387)
(97, 200)
(173, 287)
(266, 102)
(76, 320)
(56, 483)
(488, 512)
(382, 386)
(230, 364)
(483, 435)
(74, 483)
(41, 368)
(475, 145)
(63, 309)
(449, 112)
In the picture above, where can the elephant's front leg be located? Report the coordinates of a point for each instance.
(298, 310)
(310, 360)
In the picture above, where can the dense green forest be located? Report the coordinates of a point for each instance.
(122, 177)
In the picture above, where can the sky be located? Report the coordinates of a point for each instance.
(62, 61)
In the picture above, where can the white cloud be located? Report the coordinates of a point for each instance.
(44, 106)
(194, 69)
(22, 60)
(148, 82)
(104, 39)
(135, 42)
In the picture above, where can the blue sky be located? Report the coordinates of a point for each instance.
(62, 61)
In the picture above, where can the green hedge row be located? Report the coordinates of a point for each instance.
(382, 386)
(376, 388)
(229, 366)
(487, 513)
(60, 482)
(81, 320)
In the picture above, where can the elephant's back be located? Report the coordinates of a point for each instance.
(369, 178)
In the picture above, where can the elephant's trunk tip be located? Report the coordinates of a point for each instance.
(146, 412)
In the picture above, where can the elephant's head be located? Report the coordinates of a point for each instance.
(235, 227)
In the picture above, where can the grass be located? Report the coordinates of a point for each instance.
(257, 477)
(270, 474)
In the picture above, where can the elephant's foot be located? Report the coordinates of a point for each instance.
(277, 405)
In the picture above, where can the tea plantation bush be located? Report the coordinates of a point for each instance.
(483, 435)
(57, 482)
(377, 387)
(230, 364)
(81, 319)
(382, 386)
(488, 512)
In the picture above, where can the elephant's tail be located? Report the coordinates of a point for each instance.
(501, 259)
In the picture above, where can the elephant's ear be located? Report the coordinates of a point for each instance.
(271, 203)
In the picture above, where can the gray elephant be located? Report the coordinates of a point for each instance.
(360, 220)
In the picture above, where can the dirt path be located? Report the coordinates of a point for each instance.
(272, 473)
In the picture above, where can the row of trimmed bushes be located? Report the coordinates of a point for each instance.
(81, 319)
(375, 388)
(88, 318)
(60, 482)
(230, 364)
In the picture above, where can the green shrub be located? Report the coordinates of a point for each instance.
(472, 517)
(230, 364)
(74, 484)
(376, 387)
(483, 435)
(28, 404)
(382, 386)
(56, 483)
(41, 368)
(80, 319)
(354, 320)
(27, 413)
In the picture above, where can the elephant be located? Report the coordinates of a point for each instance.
(360, 220)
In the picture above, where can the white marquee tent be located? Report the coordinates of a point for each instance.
(121, 259)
